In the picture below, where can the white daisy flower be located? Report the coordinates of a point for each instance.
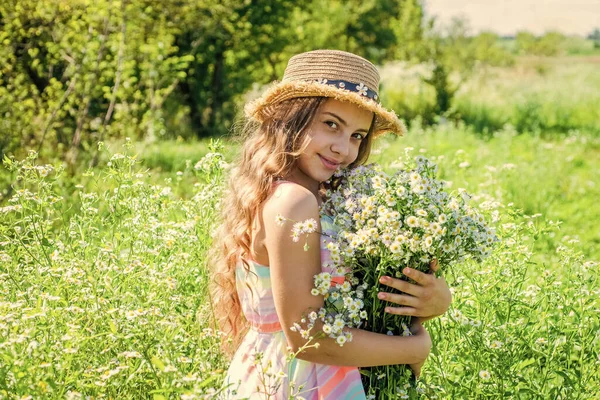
(279, 219)
(483, 374)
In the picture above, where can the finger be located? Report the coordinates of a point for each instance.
(416, 368)
(403, 286)
(400, 299)
(420, 277)
(434, 266)
(409, 311)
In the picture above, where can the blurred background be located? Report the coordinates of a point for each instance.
(75, 72)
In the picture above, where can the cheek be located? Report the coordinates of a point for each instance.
(353, 154)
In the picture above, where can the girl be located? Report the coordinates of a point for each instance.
(321, 117)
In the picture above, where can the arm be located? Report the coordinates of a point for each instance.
(292, 272)
(430, 297)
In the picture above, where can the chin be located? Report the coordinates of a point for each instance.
(324, 177)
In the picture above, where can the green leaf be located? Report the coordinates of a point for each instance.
(525, 363)
(113, 327)
(158, 363)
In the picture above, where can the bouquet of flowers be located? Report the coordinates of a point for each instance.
(385, 223)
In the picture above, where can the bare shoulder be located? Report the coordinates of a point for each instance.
(291, 201)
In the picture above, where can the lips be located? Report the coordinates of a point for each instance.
(329, 163)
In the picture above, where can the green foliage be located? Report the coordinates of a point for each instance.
(549, 44)
(73, 73)
(517, 330)
(377, 30)
(235, 45)
(103, 288)
(542, 96)
(546, 96)
(454, 52)
(104, 291)
(595, 37)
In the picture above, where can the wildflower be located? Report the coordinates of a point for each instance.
(428, 241)
(395, 247)
(456, 314)
(405, 330)
(310, 225)
(131, 354)
(341, 340)
(483, 374)
(496, 344)
(412, 221)
(279, 220)
(346, 287)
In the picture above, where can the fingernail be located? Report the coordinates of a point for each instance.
(381, 295)
(388, 309)
(407, 271)
(384, 279)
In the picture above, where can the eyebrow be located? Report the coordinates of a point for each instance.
(344, 122)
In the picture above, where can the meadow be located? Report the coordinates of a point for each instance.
(103, 275)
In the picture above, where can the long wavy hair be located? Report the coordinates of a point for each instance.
(269, 152)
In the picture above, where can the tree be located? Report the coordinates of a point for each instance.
(595, 37)
(550, 44)
(75, 72)
(234, 45)
(526, 42)
(453, 52)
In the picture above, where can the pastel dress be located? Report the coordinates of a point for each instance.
(260, 368)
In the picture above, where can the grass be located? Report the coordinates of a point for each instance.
(540, 95)
(103, 274)
(104, 290)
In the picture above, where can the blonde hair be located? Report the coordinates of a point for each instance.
(269, 153)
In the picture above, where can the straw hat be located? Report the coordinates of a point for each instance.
(330, 73)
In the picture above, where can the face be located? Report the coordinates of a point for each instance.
(334, 138)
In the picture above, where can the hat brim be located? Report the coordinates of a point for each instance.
(261, 108)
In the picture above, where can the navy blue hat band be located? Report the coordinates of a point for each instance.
(360, 88)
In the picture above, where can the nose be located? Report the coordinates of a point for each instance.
(341, 146)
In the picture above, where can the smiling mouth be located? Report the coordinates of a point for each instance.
(329, 164)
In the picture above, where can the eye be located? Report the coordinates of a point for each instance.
(358, 135)
(332, 124)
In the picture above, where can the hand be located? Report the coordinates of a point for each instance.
(418, 330)
(430, 297)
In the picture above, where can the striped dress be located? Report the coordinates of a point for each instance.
(260, 368)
